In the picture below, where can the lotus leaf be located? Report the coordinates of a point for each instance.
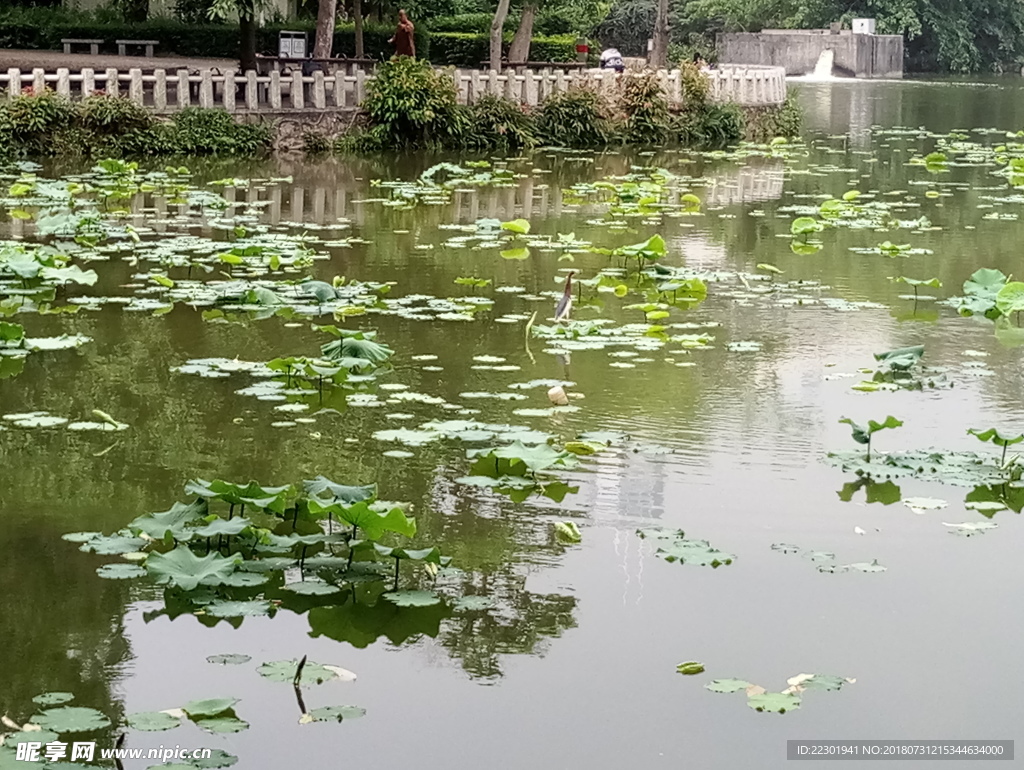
(53, 698)
(152, 721)
(71, 719)
(184, 569)
(333, 714)
(774, 702)
(413, 598)
(210, 707)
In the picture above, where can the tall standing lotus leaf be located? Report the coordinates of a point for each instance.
(354, 344)
(172, 523)
(980, 292)
(224, 527)
(11, 335)
(1010, 298)
(374, 524)
(184, 569)
(342, 493)
(517, 226)
(901, 359)
(862, 433)
(805, 226)
(997, 438)
(536, 458)
(650, 250)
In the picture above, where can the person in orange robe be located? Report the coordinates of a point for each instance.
(403, 37)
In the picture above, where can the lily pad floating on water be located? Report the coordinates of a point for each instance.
(332, 714)
(690, 667)
(473, 604)
(921, 505)
(969, 528)
(238, 609)
(312, 672)
(728, 685)
(53, 698)
(413, 598)
(120, 571)
(774, 702)
(673, 546)
(567, 532)
(71, 719)
(224, 724)
(152, 721)
(229, 659)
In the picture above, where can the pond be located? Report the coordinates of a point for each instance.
(891, 580)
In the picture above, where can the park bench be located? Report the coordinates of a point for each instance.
(149, 45)
(94, 45)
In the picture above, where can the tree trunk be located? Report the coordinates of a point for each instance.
(357, 16)
(659, 51)
(324, 43)
(520, 48)
(247, 28)
(497, 27)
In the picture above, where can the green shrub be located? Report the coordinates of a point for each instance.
(463, 22)
(765, 123)
(111, 115)
(643, 102)
(409, 104)
(468, 49)
(46, 124)
(574, 118)
(199, 131)
(710, 125)
(501, 124)
(33, 121)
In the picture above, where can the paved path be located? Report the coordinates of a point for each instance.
(52, 60)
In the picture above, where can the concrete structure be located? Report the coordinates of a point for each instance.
(249, 93)
(798, 51)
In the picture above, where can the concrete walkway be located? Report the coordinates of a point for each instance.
(51, 61)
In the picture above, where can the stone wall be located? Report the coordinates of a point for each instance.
(861, 56)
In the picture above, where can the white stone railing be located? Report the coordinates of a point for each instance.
(249, 92)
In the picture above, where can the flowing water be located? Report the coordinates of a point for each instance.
(573, 663)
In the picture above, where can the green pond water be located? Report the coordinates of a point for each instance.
(722, 423)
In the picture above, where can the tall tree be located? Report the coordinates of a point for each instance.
(497, 30)
(659, 51)
(247, 11)
(325, 22)
(357, 17)
(520, 48)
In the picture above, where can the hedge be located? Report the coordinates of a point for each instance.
(546, 23)
(467, 49)
(35, 31)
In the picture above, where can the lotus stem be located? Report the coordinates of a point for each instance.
(302, 559)
(1002, 460)
(398, 561)
(231, 512)
(207, 545)
(298, 672)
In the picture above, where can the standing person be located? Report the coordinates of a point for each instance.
(402, 40)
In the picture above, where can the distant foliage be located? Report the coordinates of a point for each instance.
(47, 124)
(765, 123)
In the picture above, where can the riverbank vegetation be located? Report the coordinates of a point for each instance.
(39, 124)
(410, 105)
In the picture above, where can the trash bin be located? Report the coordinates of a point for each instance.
(291, 45)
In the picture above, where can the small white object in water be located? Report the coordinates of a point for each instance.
(858, 531)
(557, 396)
